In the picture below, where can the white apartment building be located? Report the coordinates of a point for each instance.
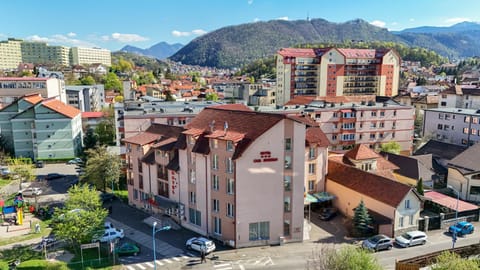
(460, 96)
(88, 56)
(452, 125)
(11, 88)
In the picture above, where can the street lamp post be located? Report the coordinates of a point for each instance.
(154, 231)
(454, 237)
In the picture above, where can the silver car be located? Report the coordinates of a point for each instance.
(378, 242)
(31, 191)
(412, 238)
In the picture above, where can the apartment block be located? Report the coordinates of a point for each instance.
(86, 98)
(334, 72)
(42, 128)
(460, 96)
(12, 88)
(10, 54)
(41, 53)
(225, 178)
(452, 125)
(88, 56)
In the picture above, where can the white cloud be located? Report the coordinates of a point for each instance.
(105, 38)
(195, 32)
(38, 38)
(378, 23)
(256, 20)
(71, 34)
(249, 2)
(411, 19)
(128, 37)
(199, 32)
(394, 23)
(285, 18)
(456, 20)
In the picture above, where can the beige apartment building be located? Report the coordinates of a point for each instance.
(41, 53)
(88, 56)
(213, 177)
(333, 72)
(10, 54)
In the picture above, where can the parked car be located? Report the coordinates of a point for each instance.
(111, 235)
(127, 249)
(107, 197)
(201, 243)
(74, 161)
(52, 176)
(328, 213)
(461, 228)
(31, 191)
(4, 171)
(378, 242)
(108, 226)
(411, 239)
(39, 164)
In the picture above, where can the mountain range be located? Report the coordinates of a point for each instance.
(234, 46)
(160, 50)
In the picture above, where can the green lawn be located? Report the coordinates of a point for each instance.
(31, 235)
(4, 182)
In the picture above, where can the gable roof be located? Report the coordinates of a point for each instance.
(407, 166)
(33, 98)
(372, 185)
(361, 152)
(449, 202)
(440, 149)
(468, 161)
(315, 135)
(240, 126)
(60, 107)
(302, 118)
(156, 132)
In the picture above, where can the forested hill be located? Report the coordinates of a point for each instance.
(234, 46)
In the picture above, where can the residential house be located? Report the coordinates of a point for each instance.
(464, 173)
(394, 206)
(460, 96)
(413, 168)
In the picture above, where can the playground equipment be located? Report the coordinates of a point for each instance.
(16, 209)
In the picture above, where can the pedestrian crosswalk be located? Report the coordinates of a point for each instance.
(217, 265)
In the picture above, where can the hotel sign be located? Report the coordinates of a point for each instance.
(265, 156)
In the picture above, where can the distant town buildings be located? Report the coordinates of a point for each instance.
(15, 51)
(332, 72)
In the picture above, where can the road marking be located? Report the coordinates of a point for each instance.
(241, 267)
(140, 266)
(130, 268)
(149, 264)
(221, 265)
(191, 255)
(159, 262)
(185, 257)
(176, 259)
(167, 261)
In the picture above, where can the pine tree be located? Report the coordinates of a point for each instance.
(420, 186)
(361, 219)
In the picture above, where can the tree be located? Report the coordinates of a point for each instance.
(452, 261)
(361, 219)
(91, 139)
(347, 257)
(112, 82)
(169, 97)
(420, 186)
(211, 96)
(105, 131)
(89, 80)
(82, 218)
(391, 147)
(102, 167)
(22, 167)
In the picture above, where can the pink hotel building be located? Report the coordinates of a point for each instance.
(232, 174)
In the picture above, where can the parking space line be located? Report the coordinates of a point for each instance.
(159, 262)
(185, 257)
(221, 265)
(167, 261)
(191, 255)
(176, 259)
(149, 264)
(140, 266)
(130, 268)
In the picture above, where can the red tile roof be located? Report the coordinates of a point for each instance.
(357, 53)
(297, 52)
(372, 185)
(60, 107)
(302, 118)
(92, 114)
(234, 107)
(449, 202)
(361, 152)
(245, 126)
(301, 100)
(155, 133)
(33, 98)
(314, 135)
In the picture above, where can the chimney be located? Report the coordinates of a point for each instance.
(225, 127)
(212, 126)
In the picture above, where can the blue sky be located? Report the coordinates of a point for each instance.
(112, 24)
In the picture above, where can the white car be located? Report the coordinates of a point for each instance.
(31, 191)
(411, 239)
(201, 243)
(111, 235)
